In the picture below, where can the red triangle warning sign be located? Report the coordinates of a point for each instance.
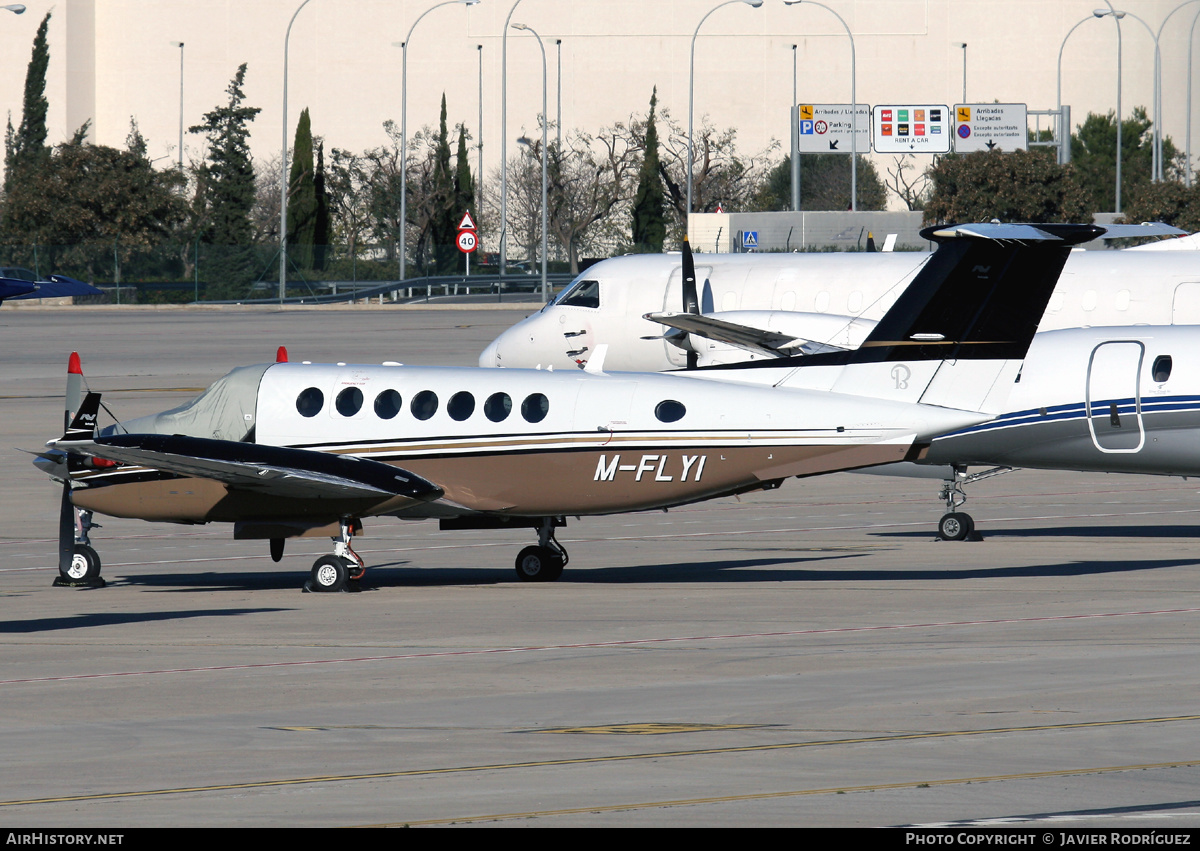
(467, 222)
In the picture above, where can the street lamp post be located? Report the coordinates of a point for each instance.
(404, 127)
(692, 89)
(1116, 16)
(1158, 77)
(795, 140)
(963, 45)
(283, 175)
(545, 157)
(1155, 105)
(853, 101)
(504, 143)
(1064, 126)
(1188, 142)
(179, 44)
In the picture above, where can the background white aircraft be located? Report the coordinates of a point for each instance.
(808, 297)
(1082, 396)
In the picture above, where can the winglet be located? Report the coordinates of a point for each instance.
(281, 355)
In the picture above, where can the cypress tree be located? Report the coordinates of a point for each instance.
(443, 225)
(28, 144)
(302, 197)
(649, 204)
(323, 232)
(464, 185)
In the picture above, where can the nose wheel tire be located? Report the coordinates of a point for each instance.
(539, 564)
(84, 566)
(330, 573)
(955, 526)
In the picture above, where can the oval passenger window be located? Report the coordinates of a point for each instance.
(349, 402)
(310, 401)
(461, 406)
(387, 404)
(535, 407)
(424, 404)
(669, 411)
(1162, 368)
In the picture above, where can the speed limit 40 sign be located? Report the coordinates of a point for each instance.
(467, 241)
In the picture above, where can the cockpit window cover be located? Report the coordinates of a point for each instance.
(225, 411)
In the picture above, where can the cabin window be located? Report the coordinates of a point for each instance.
(424, 404)
(310, 401)
(535, 407)
(583, 294)
(349, 402)
(387, 404)
(669, 411)
(1162, 368)
(461, 406)
(497, 407)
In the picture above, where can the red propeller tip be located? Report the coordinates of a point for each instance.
(281, 355)
(74, 365)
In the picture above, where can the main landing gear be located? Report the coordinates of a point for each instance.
(957, 525)
(342, 570)
(545, 561)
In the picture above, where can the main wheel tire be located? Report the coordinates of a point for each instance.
(539, 564)
(956, 526)
(85, 565)
(330, 573)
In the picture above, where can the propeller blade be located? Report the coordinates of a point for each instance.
(66, 530)
(691, 304)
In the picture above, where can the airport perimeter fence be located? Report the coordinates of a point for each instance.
(196, 272)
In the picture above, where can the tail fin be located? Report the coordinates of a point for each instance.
(957, 335)
(980, 297)
(83, 425)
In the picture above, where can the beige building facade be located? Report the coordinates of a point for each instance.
(113, 60)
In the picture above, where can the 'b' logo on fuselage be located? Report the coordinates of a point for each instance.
(901, 374)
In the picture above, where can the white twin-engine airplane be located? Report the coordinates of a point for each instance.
(285, 449)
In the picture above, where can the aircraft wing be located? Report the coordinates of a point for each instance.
(268, 470)
(773, 344)
(55, 287)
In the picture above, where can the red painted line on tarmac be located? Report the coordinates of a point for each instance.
(595, 645)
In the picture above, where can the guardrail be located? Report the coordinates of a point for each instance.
(413, 290)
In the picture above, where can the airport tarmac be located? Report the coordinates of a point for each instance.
(804, 657)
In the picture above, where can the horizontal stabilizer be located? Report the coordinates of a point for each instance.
(267, 470)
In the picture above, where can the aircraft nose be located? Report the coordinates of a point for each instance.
(490, 356)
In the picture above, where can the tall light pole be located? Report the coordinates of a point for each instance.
(853, 101)
(1064, 125)
(545, 157)
(795, 154)
(1116, 16)
(1188, 144)
(963, 45)
(479, 146)
(283, 163)
(504, 142)
(692, 91)
(1155, 106)
(179, 44)
(404, 127)
(558, 122)
(1158, 77)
